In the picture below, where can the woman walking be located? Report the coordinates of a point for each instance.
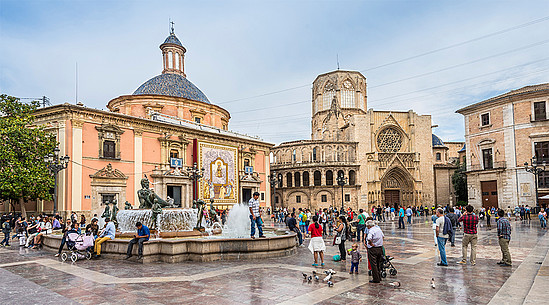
(317, 245)
(341, 236)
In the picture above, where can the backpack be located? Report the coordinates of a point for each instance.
(304, 217)
(447, 226)
(6, 227)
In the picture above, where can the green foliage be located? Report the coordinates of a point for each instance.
(23, 173)
(459, 180)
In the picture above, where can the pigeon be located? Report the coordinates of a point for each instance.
(327, 272)
(314, 272)
(316, 278)
(309, 279)
(304, 275)
(331, 271)
(330, 284)
(327, 278)
(433, 283)
(395, 284)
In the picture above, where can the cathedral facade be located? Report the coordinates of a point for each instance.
(356, 157)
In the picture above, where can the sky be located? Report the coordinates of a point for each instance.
(258, 59)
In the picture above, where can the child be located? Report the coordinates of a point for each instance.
(356, 257)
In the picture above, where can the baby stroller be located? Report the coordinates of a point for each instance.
(78, 246)
(385, 265)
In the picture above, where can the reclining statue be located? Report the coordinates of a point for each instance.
(148, 196)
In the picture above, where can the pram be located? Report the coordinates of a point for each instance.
(78, 246)
(386, 265)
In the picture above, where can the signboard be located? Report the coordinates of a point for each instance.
(176, 162)
(220, 180)
(249, 170)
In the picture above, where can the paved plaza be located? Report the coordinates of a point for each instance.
(36, 277)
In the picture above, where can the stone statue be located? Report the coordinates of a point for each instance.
(170, 201)
(213, 213)
(107, 211)
(156, 210)
(127, 206)
(199, 204)
(114, 212)
(147, 196)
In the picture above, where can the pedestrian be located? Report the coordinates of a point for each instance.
(142, 236)
(374, 244)
(542, 215)
(316, 245)
(504, 236)
(109, 232)
(488, 216)
(302, 218)
(470, 222)
(454, 220)
(6, 229)
(442, 235)
(292, 225)
(361, 225)
(255, 216)
(409, 214)
(341, 236)
(356, 258)
(401, 218)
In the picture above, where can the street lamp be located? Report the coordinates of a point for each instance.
(535, 168)
(56, 164)
(341, 181)
(273, 180)
(195, 174)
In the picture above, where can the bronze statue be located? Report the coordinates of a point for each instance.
(199, 204)
(147, 196)
(156, 210)
(127, 205)
(114, 212)
(107, 211)
(213, 213)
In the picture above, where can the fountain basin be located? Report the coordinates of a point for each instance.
(172, 250)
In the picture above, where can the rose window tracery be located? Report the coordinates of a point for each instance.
(389, 140)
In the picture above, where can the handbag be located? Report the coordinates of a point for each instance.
(337, 240)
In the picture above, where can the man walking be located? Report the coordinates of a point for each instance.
(401, 218)
(142, 236)
(470, 222)
(409, 214)
(504, 236)
(255, 216)
(361, 225)
(374, 243)
(441, 237)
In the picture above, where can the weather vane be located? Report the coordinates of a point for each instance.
(171, 26)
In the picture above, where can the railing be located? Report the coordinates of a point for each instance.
(311, 163)
(495, 165)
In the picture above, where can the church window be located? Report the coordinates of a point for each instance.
(347, 95)
(197, 120)
(485, 119)
(317, 178)
(170, 60)
(487, 158)
(294, 156)
(280, 180)
(305, 178)
(352, 177)
(108, 149)
(328, 96)
(297, 179)
(540, 111)
(324, 198)
(543, 179)
(314, 154)
(297, 199)
(176, 61)
(109, 141)
(329, 178)
(289, 180)
(541, 150)
(438, 156)
(246, 162)
(347, 197)
(389, 140)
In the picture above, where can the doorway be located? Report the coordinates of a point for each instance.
(392, 197)
(246, 195)
(175, 193)
(489, 191)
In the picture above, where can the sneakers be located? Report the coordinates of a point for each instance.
(462, 262)
(472, 264)
(56, 254)
(442, 265)
(127, 256)
(139, 257)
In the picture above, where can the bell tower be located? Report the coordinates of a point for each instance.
(173, 54)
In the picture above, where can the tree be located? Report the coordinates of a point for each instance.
(459, 180)
(24, 175)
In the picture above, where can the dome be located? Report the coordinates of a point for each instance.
(172, 84)
(173, 39)
(437, 142)
(463, 149)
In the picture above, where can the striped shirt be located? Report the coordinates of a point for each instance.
(254, 204)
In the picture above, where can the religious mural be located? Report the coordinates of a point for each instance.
(220, 180)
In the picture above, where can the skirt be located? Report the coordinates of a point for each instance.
(317, 244)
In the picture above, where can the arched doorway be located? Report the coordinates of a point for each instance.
(397, 187)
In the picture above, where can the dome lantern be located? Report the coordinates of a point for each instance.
(173, 54)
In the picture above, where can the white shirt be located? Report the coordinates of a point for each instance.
(254, 204)
(376, 236)
(440, 225)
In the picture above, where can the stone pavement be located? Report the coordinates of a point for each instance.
(36, 277)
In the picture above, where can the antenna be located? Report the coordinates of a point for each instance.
(76, 84)
(337, 56)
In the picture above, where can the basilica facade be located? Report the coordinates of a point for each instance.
(358, 157)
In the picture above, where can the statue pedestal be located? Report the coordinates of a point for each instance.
(201, 229)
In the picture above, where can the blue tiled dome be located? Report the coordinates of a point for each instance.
(463, 149)
(172, 84)
(437, 142)
(173, 39)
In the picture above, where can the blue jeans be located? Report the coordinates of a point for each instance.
(6, 239)
(410, 219)
(401, 222)
(360, 230)
(354, 266)
(543, 222)
(257, 222)
(302, 228)
(442, 249)
(299, 235)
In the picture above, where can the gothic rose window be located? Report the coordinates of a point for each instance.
(389, 140)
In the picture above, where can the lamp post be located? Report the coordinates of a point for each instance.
(535, 168)
(56, 164)
(273, 180)
(195, 174)
(341, 181)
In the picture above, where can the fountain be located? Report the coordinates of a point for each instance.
(180, 234)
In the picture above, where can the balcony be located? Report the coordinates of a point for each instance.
(253, 177)
(300, 164)
(500, 165)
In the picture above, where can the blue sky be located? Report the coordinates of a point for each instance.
(237, 50)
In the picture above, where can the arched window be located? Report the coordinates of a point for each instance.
(439, 157)
(352, 177)
(347, 95)
(170, 60)
(280, 180)
(176, 61)
(314, 154)
(305, 178)
(329, 178)
(294, 156)
(297, 179)
(328, 95)
(289, 180)
(317, 178)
